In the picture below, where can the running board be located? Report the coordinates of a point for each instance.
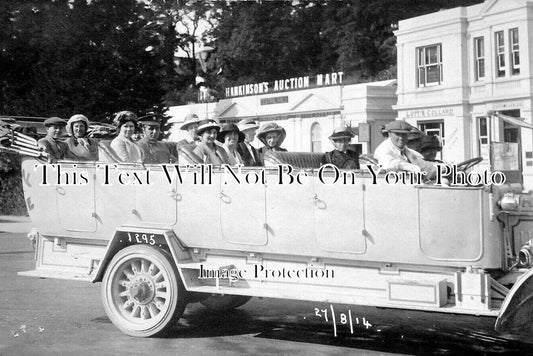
(349, 285)
(57, 274)
(312, 293)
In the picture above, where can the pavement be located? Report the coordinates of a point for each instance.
(15, 224)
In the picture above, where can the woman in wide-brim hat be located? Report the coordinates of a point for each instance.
(190, 125)
(80, 147)
(123, 145)
(341, 156)
(207, 150)
(250, 155)
(429, 147)
(272, 136)
(230, 136)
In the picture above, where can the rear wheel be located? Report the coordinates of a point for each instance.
(142, 292)
(220, 302)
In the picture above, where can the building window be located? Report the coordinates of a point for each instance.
(433, 128)
(500, 54)
(316, 135)
(479, 58)
(511, 132)
(483, 131)
(515, 51)
(429, 65)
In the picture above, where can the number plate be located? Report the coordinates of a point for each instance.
(142, 238)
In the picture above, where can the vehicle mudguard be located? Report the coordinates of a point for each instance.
(516, 313)
(128, 235)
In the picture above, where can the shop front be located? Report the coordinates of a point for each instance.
(309, 115)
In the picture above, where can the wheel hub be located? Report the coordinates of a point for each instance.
(142, 290)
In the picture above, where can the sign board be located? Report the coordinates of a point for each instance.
(280, 85)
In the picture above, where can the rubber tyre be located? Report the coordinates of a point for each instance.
(142, 292)
(220, 302)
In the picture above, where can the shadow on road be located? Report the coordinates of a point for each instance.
(401, 338)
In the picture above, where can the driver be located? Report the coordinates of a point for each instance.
(394, 155)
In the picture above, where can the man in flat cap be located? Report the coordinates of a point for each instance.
(393, 153)
(51, 144)
(249, 153)
(341, 156)
(152, 150)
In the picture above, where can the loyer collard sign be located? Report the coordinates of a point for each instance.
(279, 85)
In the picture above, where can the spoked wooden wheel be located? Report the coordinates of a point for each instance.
(142, 292)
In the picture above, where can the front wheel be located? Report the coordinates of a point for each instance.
(142, 292)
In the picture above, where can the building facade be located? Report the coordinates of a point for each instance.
(462, 73)
(308, 115)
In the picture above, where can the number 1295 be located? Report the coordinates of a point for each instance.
(141, 238)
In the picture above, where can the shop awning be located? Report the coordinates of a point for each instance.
(517, 121)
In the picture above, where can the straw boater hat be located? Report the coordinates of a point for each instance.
(189, 120)
(229, 128)
(77, 118)
(341, 132)
(54, 121)
(207, 124)
(271, 127)
(399, 126)
(247, 124)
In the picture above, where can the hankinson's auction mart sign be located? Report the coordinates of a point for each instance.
(278, 85)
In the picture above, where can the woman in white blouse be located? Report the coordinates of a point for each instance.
(123, 145)
(231, 136)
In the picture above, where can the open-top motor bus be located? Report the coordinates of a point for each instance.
(161, 236)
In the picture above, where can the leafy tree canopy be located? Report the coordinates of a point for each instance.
(259, 41)
(96, 57)
(69, 56)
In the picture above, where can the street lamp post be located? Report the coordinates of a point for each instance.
(203, 90)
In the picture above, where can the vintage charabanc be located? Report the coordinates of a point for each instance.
(161, 236)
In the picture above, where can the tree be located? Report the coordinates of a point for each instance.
(93, 57)
(184, 25)
(261, 41)
(256, 41)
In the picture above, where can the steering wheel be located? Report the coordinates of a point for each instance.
(469, 163)
(463, 166)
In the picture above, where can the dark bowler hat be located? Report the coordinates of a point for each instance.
(207, 124)
(54, 121)
(341, 132)
(247, 124)
(229, 128)
(150, 120)
(399, 126)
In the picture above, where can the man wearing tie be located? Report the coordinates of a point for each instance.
(248, 152)
(394, 155)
